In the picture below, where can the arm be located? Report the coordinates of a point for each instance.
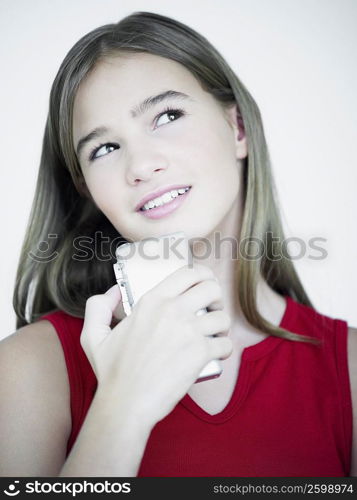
(111, 441)
(352, 365)
(35, 417)
(129, 401)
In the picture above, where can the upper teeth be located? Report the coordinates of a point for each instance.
(164, 198)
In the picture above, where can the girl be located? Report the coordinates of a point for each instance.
(138, 109)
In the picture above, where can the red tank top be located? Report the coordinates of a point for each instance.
(290, 413)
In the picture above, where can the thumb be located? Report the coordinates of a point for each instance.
(114, 294)
(99, 312)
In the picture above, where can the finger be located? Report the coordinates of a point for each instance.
(203, 295)
(213, 323)
(220, 347)
(182, 279)
(99, 312)
(113, 291)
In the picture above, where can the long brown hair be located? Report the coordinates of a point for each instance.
(62, 209)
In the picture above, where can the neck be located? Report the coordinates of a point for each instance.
(220, 251)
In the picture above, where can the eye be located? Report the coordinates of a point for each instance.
(93, 154)
(172, 114)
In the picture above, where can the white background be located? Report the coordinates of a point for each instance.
(296, 57)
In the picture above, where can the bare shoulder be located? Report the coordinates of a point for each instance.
(352, 366)
(35, 350)
(36, 346)
(40, 331)
(35, 401)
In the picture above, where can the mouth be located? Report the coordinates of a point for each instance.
(165, 204)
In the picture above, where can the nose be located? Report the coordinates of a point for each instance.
(143, 164)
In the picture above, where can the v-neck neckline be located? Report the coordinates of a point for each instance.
(249, 353)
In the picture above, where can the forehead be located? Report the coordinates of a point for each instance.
(118, 83)
(140, 67)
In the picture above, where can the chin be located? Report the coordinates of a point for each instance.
(195, 227)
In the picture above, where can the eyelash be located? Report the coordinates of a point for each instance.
(168, 110)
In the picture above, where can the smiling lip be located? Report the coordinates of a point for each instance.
(167, 208)
(159, 192)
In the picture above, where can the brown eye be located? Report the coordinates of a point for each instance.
(104, 148)
(172, 114)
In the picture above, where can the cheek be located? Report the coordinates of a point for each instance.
(102, 183)
(217, 167)
(211, 150)
(107, 194)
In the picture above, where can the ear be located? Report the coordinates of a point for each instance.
(235, 120)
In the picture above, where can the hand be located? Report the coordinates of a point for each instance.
(152, 357)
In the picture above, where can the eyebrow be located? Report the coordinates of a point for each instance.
(135, 112)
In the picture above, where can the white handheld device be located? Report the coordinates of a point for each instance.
(143, 264)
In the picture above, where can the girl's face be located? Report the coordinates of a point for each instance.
(183, 138)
